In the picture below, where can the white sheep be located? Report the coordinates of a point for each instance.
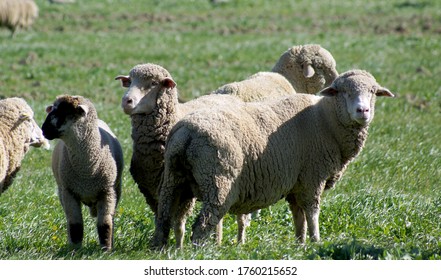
(302, 69)
(18, 131)
(87, 164)
(17, 14)
(151, 100)
(248, 156)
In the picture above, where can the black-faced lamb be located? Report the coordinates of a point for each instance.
(248, 156)
(17, 14)
(87, 164)
(18, 131)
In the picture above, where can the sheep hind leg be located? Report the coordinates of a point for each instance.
(185, 207)
(106, 210)
(219, 232)
(243, 221)
(298, 217)
(207, 220)
(312, 217)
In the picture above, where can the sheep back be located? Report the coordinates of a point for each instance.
(258, 87)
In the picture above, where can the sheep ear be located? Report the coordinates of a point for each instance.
(125, 80)
(83, 109)
(49, 109)
(382, 91)
(25, 117)
(168, 83)
(329, 91)
(308, 71)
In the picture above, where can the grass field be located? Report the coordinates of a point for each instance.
(388, 203)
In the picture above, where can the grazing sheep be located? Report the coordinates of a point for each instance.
(18, 131)
(302, 69)
(87, 164)
(17, 14)
(248, 156)
(151, 100)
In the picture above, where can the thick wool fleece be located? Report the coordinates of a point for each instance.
(18, 131)
(248, 156)
(87, 164)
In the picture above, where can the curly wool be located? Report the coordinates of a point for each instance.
(87, 164)
(247, 156)
(16, 137)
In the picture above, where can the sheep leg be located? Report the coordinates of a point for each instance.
(74, 217)
(312, 217)
(163, 218)
(299, 218)
(243, 221)
(209, 217)
(106, 210)
(185, 206)
(219, 231)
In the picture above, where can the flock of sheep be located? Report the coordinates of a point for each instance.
(241, 148)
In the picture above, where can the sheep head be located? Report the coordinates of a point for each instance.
(65, 113)
(144, 84)
(356, 90)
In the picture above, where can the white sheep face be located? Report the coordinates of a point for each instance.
(358, 89)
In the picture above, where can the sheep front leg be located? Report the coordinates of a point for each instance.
(298, 217)
(106, 211)
(74, 217)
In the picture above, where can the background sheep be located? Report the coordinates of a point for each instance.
(302, 69)
(151, 100)
(87, 164)
(250, 155)
(18, 131)
(17, 14)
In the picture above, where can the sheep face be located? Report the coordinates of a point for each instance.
(35, 137)
(144, 84)
(62, 115)
(356, 91)
(141, 96)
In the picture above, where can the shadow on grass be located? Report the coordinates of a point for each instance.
(349, 250)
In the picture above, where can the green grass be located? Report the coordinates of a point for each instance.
(388, 203)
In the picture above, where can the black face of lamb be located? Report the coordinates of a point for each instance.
(53, 125)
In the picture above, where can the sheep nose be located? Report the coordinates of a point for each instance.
(362, 110)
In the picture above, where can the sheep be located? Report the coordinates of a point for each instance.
(301, 69)
(18, 131)
(17, 14)
(151, 100)
(248, 156)
(87, 165)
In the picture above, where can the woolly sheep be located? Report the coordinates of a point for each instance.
(87, 164)
(18, 131)
(247, 156)
(17, 14)
(151, 100)
(302, 69)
